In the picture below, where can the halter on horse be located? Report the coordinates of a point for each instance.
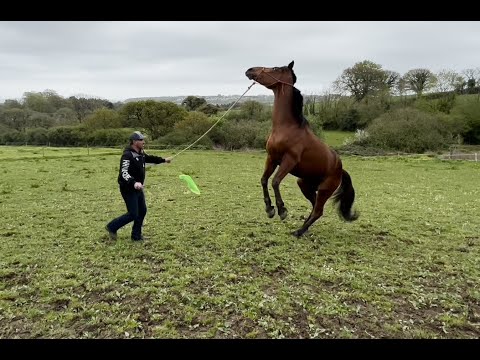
(295, 149)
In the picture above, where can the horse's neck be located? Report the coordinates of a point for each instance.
(282, 113)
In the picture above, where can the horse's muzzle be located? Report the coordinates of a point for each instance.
(250, 73)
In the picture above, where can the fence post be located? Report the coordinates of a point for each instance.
(476, 157)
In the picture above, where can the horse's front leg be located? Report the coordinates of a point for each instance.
(288, 163)
(269, 169)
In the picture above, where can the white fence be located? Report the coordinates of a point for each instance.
(459, 156)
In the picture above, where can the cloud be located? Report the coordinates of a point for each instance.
(118, 60)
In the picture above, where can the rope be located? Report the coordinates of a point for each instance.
(189, 146)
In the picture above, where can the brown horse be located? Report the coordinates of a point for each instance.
(296, 150)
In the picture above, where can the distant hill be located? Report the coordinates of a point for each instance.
(211, 99)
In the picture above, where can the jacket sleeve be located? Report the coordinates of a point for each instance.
(125, 177)
(152, 159)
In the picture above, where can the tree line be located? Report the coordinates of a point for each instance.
(362, 95)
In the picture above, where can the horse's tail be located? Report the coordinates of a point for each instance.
(346, 195)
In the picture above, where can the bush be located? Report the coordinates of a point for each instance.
(346, 115)
(468, 115)
(240, 135)
(109, 137)
(12, 136)
(189, 130)
(441, 102)
(316, 126)
(40, 120)
(251, 111)
(368, 112)
(38, 136)
(410, 130)
(349, 121)
(67, 136)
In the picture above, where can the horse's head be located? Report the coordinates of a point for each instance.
(271, 77)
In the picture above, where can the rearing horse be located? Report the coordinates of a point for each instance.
(294, 147)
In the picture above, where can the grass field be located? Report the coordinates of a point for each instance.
(336, 138)
(214, 265)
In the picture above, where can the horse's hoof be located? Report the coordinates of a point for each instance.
(297, 233)
(271, 212)
(283, 214)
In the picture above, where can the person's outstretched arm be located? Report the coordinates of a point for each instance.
(152, 159)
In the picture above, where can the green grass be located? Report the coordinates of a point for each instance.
(336, 138)
(215, 266)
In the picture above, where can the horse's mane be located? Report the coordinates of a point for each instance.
(298, 108)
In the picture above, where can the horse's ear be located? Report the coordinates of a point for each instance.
(290, 66)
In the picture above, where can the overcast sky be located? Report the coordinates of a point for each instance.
(118, 60)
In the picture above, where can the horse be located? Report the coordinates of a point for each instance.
(295, 149)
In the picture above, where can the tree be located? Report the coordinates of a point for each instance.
(473, 81)
(56, 101)
(193, 103)
(366, 79)
(40, 120)
(419, 80)
(85, 106)
(81, 107)
(252, 110)
(12, 104)
(103, 119)
(16, 118)
(392, 79)
(309, 104)
(209, 109)
(159, 117)
(471, 84)
(449, 80)
(401, 87)
(131, 113)
(65, 116)
(37, 102)
(472, 76)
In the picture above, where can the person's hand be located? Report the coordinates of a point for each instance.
(138, 186)
(168, 160)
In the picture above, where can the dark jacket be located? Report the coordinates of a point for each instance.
(132, 167)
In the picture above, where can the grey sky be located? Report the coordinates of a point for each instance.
(117, 60)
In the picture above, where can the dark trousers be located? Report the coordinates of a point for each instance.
(136, 211)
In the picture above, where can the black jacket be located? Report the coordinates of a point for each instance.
(132, 167)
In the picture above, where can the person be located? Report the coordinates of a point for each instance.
(131, 178)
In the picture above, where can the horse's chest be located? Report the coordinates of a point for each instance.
(277, 146)
(276, 150)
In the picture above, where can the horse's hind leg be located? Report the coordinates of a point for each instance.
(309, 190)
(288, 163)
(269, 169)
(325, 190)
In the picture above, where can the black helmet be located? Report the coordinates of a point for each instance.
(137, 135)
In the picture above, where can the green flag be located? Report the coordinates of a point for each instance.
(190, 183)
